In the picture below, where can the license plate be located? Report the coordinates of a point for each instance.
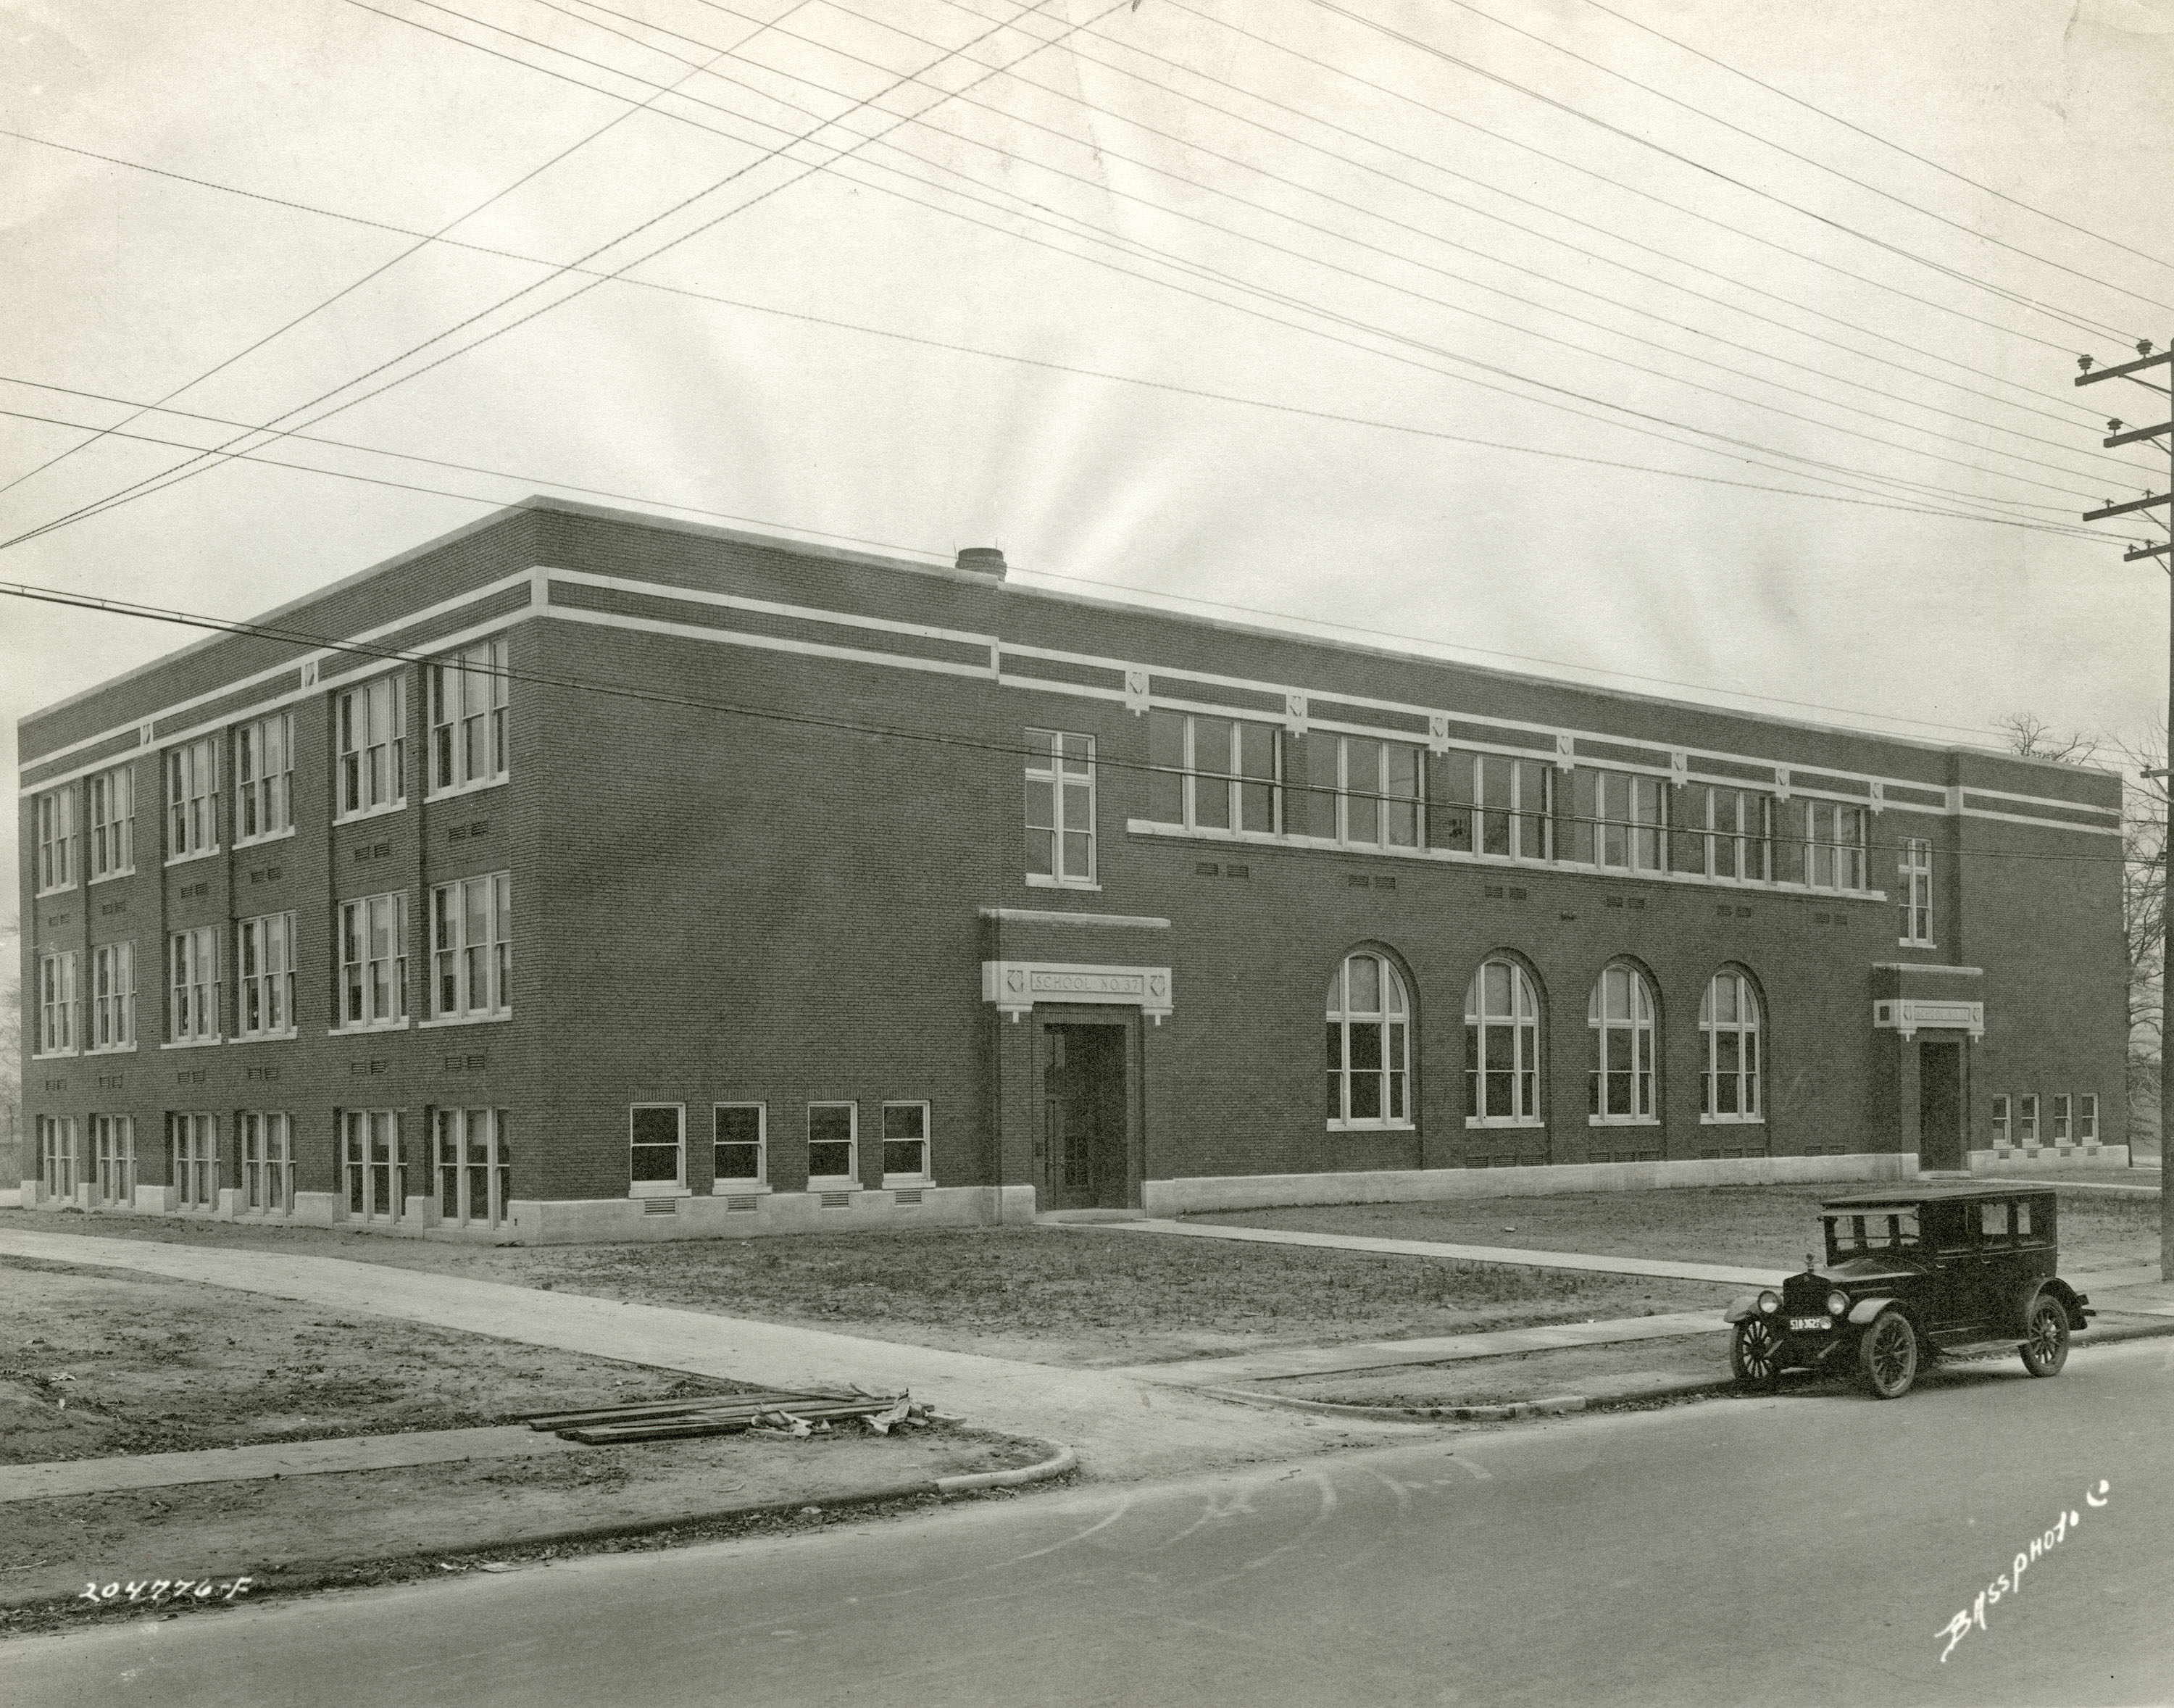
(1797, 1324)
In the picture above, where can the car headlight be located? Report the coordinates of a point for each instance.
(1837, 1304)
(1769, 1302)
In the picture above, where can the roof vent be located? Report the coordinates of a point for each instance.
(983, 560)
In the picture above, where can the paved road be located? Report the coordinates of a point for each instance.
(1806, 1548)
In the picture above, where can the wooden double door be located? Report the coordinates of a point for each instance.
(1086, 1140)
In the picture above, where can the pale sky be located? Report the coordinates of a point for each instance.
(1167, 249)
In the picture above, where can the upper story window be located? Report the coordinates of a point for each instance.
(113, 997)
(1620, 1014)
(1501, 1047)
(56, 849)
(1728, 1028)
(56, 999)
(472, 946)
(193, 1013)
(1380, 792)
(370, 725)
(1632, 814)
(264, 777)
(1834, 845)
(373, 933)
(1060, 807)
(1733, 829)
(1215, 773)
(111, 799)
(192, 798)
(468, 716)
(1496, 805)
(1914, 878)
(1369, 1045)
(264, 960)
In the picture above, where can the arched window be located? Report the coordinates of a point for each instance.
(1501, 1047)
(1369, 1044)
(1729, 1021)
(1621, 1017)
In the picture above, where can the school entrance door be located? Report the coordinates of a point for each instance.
(1083, 1150)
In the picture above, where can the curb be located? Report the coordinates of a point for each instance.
(966, 1482)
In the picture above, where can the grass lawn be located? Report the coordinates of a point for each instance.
(1065, 1296)
(1756, 1227)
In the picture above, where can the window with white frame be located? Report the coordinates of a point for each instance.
(1369, 1056)
(472, 946)
(374, 960)
(1214, 773)
(192, 798)
(657, 1134)
(112, 996)
(738, 1141)
(1060, 807)
(54, 813)
(110, 799)
(1515, 803)
(1729, 1030)
(268, 1162)
(375, 1164)
(192, 1153)
(1630, 814)
(1914, 878)
(264, 973)
(1834, 845)
(370, 723)
(1381, 793)
(1737, 832)
(2004, 1132)
(264, 777)
(2087, 1117)
(1620, 1015)
(2062, 1116)
(905, 1143)
(2027, 1119)
(57, 1000)
(1501, 1047)
(833, 1144)
(475, 1167)
(193, 993)
(468, 716)
(113, 1143)
(58, 1159)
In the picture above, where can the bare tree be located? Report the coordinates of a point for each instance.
(2033, 737)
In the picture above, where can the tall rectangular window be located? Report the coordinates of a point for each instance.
(474, 1167)
(112, 996)
(264, 962)
(833, 1144)
(905, 1142)
(738, 1133)
(2003, 1133)
(58, 1029)
(111, 800)
(192, 798)
(192, 1152)
(1633, 816)
(193, 1013)
(657, 1134)
(472, 946)
(1382, 788)
(1513, 807)
(58, 1159)
(1060, 807)
(1914, 876)
(2027, 1119)
(370, 724)
(56, 849)
(468, 716)
(1738, 827)
(374, 960)
(264, 777)
(113, 1141)
(268, 1162)
(374, 1162)
(2060, 1113)
(2087, 1118)
(1834, 845)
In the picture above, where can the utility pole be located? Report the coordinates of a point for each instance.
(2115, 434)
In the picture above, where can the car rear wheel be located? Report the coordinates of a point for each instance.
(2045, 1346)
(1755, 1353)
(1887, 1356)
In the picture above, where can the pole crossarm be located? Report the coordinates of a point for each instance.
(2137, 433)
(2122, 370)
(2135, 504)
(2130, 557)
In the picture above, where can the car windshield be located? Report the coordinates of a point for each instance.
(1876, 1230)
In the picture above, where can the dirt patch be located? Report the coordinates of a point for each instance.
(1061, 1296)
(1597, 1371)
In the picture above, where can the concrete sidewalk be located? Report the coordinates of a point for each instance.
(1661, 1269)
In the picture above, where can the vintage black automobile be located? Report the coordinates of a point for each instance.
(1912, 1275)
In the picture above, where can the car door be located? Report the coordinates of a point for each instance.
(1955, 1308)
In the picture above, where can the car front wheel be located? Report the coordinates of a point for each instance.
(2045, 1346)
(1887, 1356)
(1755, 1353)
